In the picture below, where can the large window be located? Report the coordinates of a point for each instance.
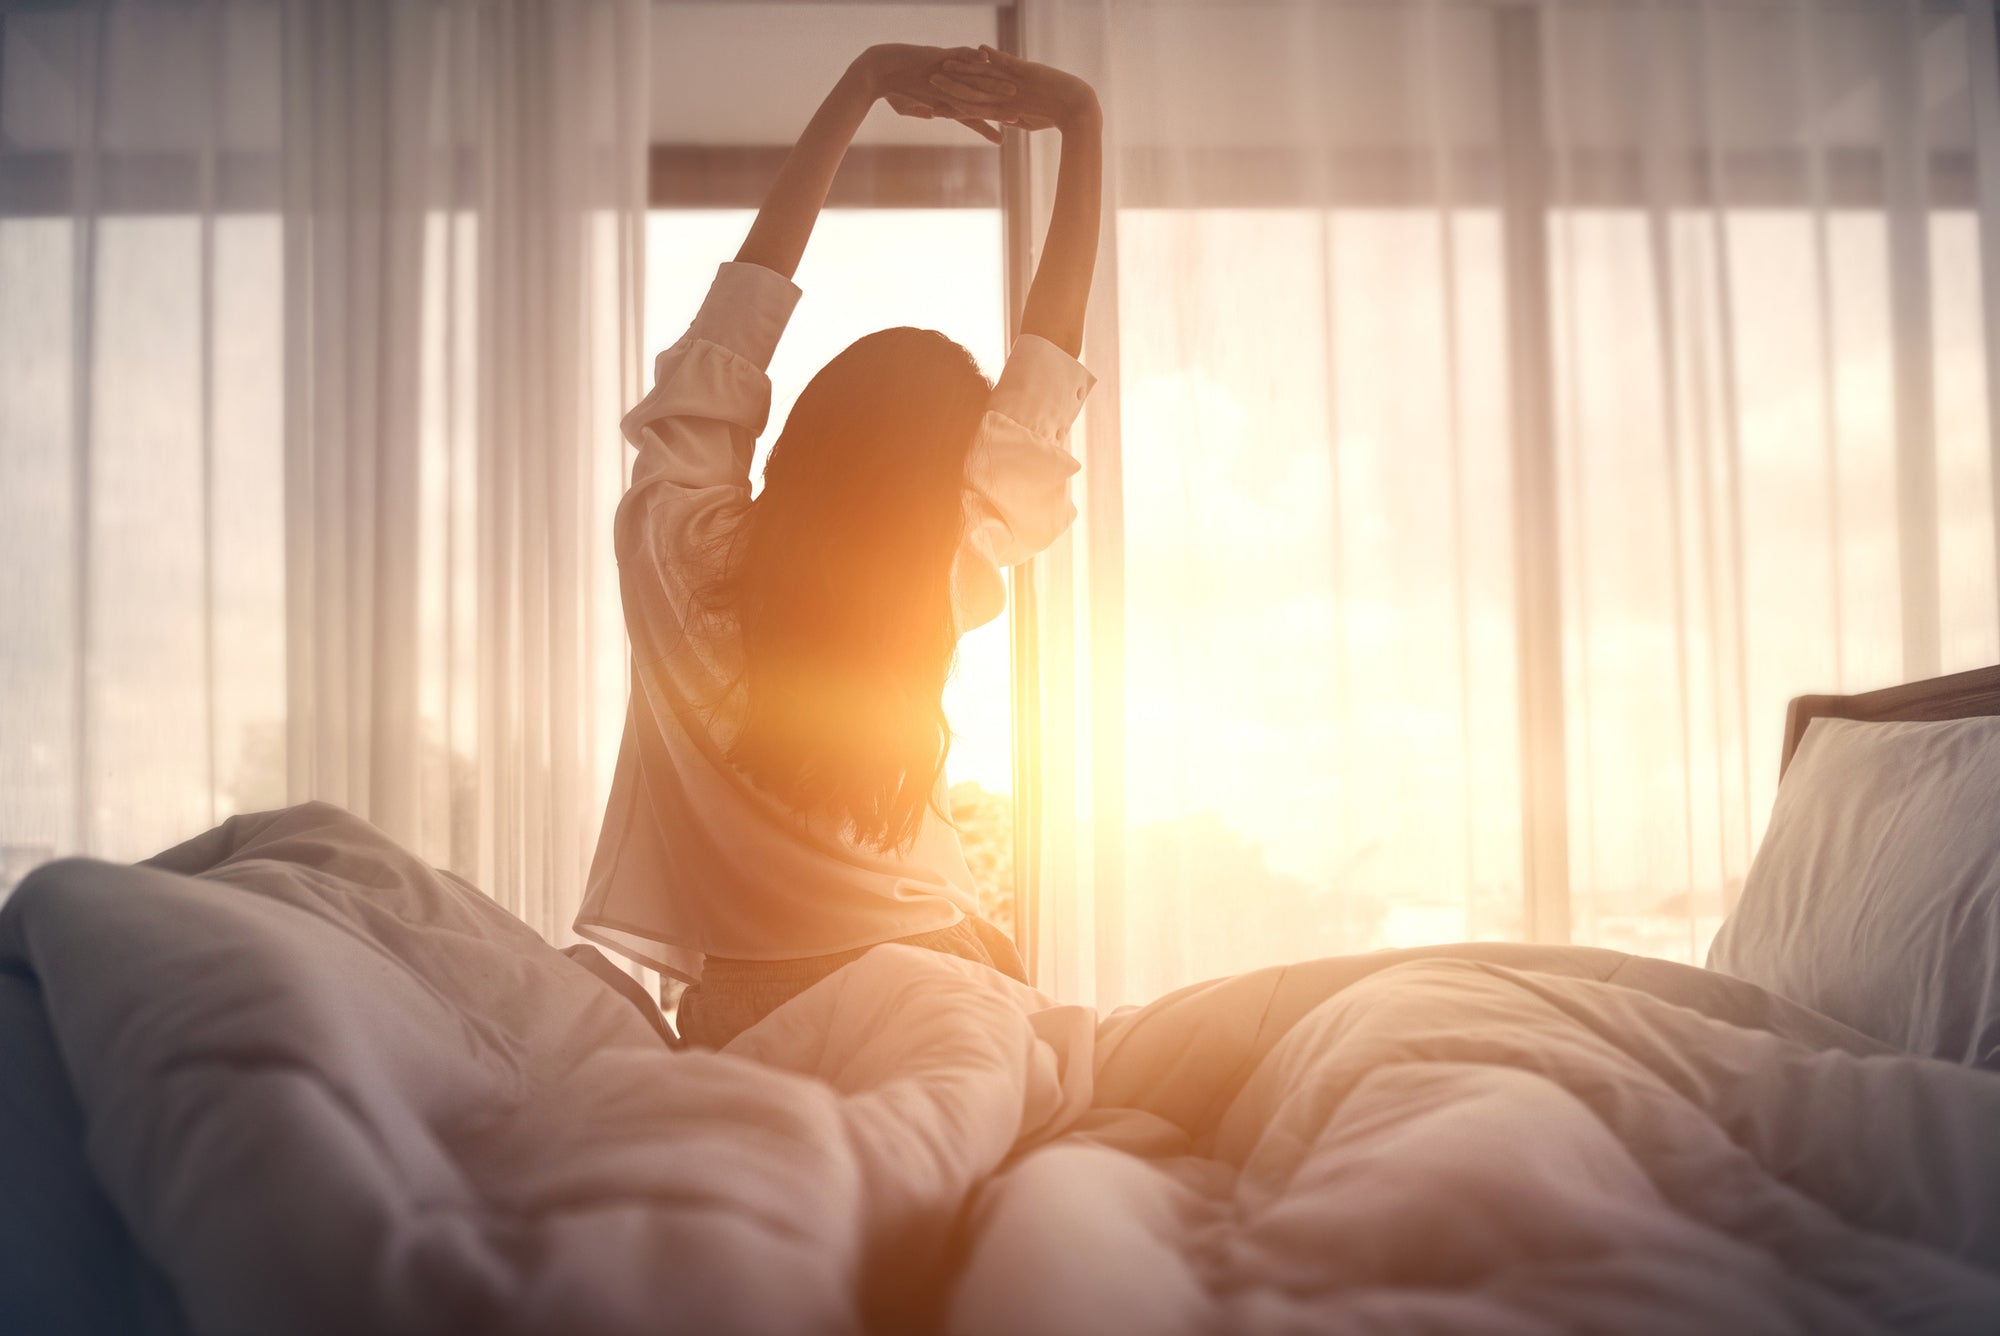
(1517, 405)
(1505, 408)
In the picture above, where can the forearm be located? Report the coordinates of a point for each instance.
(778, 238)
(1061, 290)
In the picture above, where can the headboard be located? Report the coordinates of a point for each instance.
(1960, 696)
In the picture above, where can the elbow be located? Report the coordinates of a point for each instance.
(1038, 534)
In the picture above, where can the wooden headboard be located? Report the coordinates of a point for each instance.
(1960, 696)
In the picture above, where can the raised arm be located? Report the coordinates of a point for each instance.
(1032, 96)
(895, 72)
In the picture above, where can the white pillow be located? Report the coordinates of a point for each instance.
(1875, 898)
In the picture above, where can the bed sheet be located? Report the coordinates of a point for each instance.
(327, 1088)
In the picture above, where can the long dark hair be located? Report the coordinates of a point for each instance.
(840, 583)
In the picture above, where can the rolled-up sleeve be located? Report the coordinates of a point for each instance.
(1021, 464)
(696, 433)
(1017, 477)
(698, 426)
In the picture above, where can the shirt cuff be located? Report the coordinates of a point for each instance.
(746, 310)
(1042, 387)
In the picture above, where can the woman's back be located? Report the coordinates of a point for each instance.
(696, 857)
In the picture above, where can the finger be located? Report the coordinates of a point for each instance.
(975, 66)
(1005, 60)
(993, 89)
(960, 91)
(978, 76)
(908, 106)
(973, 118)
(964, 111)
(986, 93)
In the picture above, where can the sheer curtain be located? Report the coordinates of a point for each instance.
(1506, 408)
(315, 323)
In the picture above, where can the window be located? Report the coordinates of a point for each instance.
(1669, 313)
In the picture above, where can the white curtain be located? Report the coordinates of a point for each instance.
(315, 323)
(1505, 408)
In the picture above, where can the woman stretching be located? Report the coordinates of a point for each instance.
(778, 803)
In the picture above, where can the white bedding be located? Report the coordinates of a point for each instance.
(332, 1090)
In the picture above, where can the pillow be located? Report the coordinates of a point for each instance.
(1875, 898)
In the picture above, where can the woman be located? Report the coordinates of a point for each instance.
(778, 802)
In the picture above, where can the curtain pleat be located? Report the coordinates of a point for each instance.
(1566, 416)
(1431, 78)
(1983, 35)
(207, 151)
(1908, 205)
(90, 38)
(1809, 80)
(1729, 629)
(1534, 148)
(1656, 109)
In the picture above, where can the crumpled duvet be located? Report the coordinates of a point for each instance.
(329, 1089)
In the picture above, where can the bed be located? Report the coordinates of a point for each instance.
(1969, 695)
(285, 1077)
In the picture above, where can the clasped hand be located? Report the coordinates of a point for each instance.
(980, 87)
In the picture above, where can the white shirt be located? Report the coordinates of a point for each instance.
(694, 859)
